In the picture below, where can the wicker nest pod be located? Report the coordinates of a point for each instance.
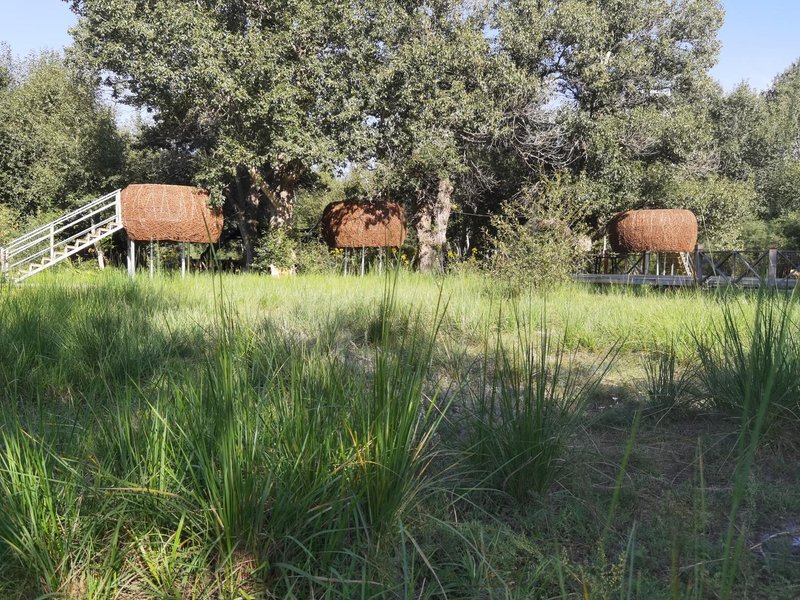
(169, 213)
(357, 224)
(653, 230)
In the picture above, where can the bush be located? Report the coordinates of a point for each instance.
(538, 236)
(277, 248)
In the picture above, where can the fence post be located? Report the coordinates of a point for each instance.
(698, 264)
(772, 271)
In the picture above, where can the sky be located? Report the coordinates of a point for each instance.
(760, 38)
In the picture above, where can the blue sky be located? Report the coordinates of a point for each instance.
(760, 38)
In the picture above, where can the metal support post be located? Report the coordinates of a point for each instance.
(52, 242)
(151, 259)
(362, 261)
(131, 258)
(183, 260)
(118, 207)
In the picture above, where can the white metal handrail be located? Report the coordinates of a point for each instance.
(51, 232)
(103, 217)
(65, 242)
(64, 218)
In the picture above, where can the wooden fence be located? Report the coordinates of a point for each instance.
(711, 268)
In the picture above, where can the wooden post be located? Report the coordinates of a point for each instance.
(646, 264)
(698, 264)
(131, 258)
(183, 259)
(152, 266)
(772, 270)
(346, 260)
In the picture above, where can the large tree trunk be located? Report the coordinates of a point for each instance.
(279, 192)
(282, 209)
(247, 201)
(433, 215)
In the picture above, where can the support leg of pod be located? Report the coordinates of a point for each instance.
(131, 258)
(362, 261)
(183, 260)
(152, 264)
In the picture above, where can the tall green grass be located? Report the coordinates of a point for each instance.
(751, 364)
(330, 438)
(529, 401)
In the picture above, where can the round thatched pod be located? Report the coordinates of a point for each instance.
(654, 230)
(353, 224)
(170, 213)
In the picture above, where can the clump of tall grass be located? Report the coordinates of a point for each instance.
(271, 465)
(751, 365)
(530, 400)
(667, 384)
(750, 368)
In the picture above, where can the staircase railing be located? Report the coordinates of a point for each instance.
(51, 243)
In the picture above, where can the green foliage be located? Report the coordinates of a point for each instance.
(538, 236)
(758, 137)
(58, 143)
(276, 248)
(616, 55)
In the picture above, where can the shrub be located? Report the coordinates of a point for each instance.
(538, 236)
(277, 247)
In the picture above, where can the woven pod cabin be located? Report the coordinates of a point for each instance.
(653, 230)
(169, 213)
(354, 224)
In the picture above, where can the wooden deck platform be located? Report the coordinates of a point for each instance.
(685, 281)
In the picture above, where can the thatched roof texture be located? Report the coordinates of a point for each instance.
(654, 230)
(353, 224)
(173, 213)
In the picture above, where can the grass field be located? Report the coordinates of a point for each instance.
(396, 437)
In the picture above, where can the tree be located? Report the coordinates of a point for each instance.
(58, 143)
(759, 140)
(629, 79)
(438, 103)
(260, 92)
